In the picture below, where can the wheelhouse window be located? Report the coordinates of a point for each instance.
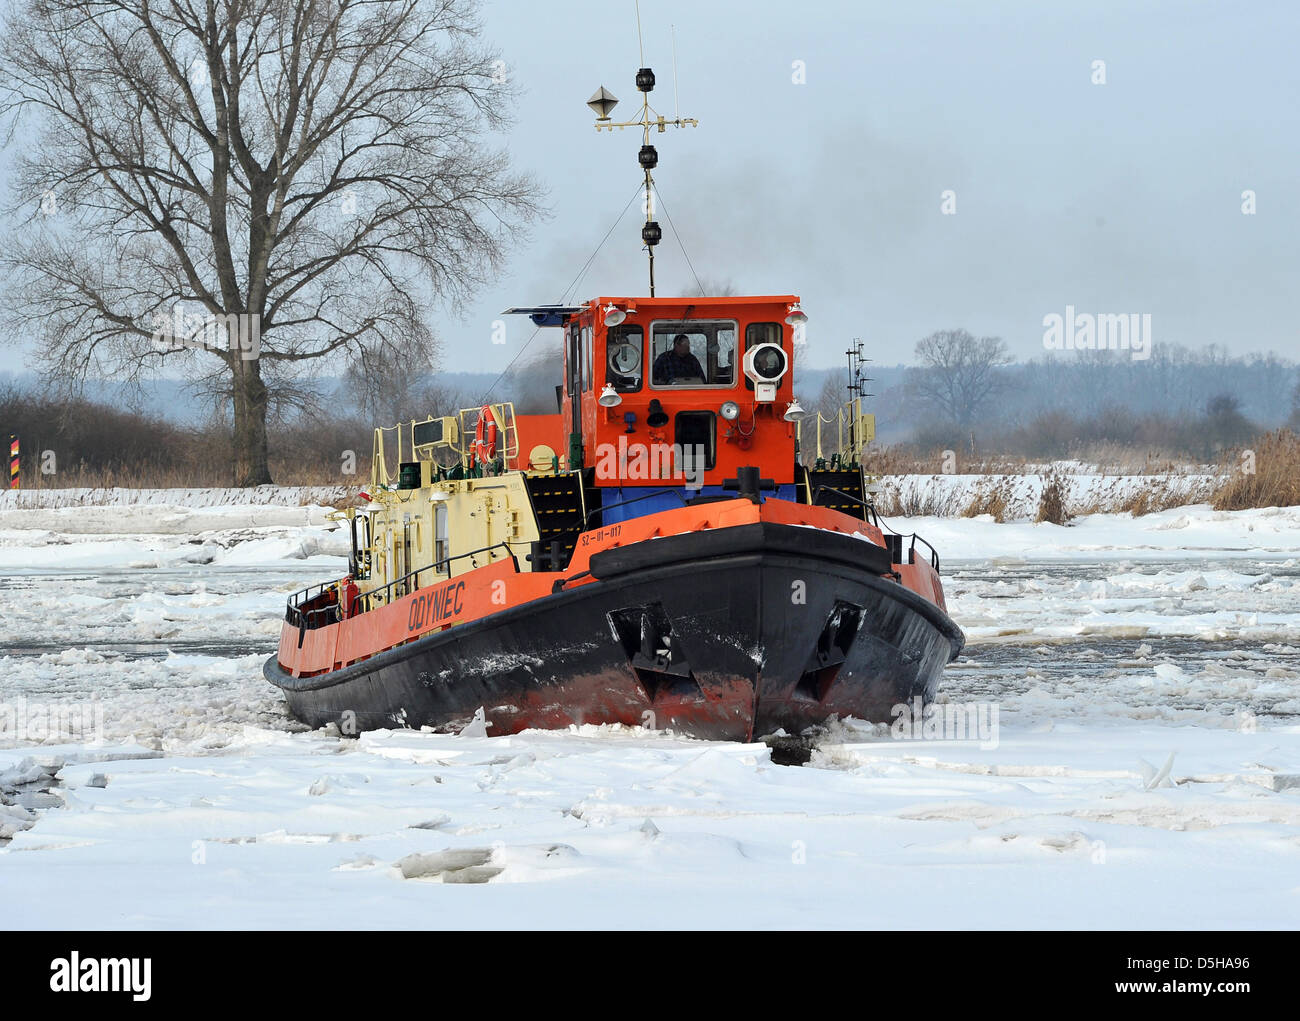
(574, 360)
(624, 354)
(586, 359)
(761, 333)
(694, 352)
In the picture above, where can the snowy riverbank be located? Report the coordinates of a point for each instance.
(261, 496)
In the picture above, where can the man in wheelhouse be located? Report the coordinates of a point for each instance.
(677, 364)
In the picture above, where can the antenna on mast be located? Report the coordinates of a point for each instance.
(603, 103)
(677, 110)
(640, 43)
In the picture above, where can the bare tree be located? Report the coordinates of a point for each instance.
(959, 373)
(308, 175)
(833, 394)
(711, 287)
(1225, 425)
(384, 388)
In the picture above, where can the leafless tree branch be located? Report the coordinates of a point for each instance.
(322, 165)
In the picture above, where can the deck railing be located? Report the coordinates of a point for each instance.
(299, 614)
(867, 504)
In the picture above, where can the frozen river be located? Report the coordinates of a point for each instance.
(1128, 638)
(1104, 651)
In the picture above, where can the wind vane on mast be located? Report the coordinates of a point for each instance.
(603, 102)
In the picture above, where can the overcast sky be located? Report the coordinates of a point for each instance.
(1117, 198)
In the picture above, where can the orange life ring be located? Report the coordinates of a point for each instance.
(485, 436)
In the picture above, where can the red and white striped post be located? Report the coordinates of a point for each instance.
(13, 462)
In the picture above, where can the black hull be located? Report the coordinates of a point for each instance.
(726, 634)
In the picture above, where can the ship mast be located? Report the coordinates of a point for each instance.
(604, 101)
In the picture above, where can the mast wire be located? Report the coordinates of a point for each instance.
(581, 273)
(673, 228)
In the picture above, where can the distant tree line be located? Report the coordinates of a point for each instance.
(69, 441)
(965, 391)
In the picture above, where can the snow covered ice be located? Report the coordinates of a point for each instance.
(190, 799)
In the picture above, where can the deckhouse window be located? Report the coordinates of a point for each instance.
(695, 433)
(440, 552)
(694, 352)
(624, 353)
